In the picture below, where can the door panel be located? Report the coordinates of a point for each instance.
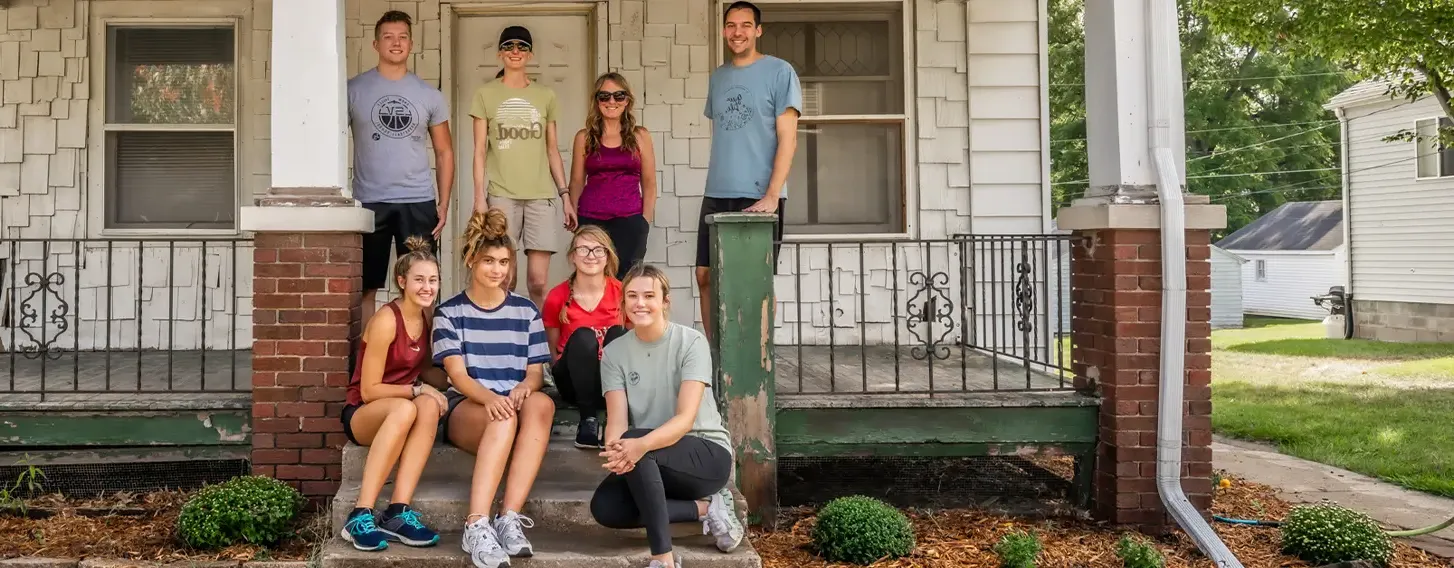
(564, 61)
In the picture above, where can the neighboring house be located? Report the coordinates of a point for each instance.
(1227, 302)
(1399, 198)
(150, 119)
(1292, 253)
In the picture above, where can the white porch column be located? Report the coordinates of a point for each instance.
(1118, 105)
(309, 141)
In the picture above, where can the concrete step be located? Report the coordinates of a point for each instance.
(448, 463)
(553, 549)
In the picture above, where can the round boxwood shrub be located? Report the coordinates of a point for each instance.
(861, 530)
(249, 509)
(1325, 533)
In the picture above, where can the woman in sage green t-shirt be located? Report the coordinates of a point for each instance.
(665, 445)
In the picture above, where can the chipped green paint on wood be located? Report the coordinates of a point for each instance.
(992, 426)
(742, 306)
(136, 428)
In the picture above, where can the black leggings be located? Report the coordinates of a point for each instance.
(578, 371)
(663, 488)
(628, 235)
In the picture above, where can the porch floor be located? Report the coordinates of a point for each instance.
(163, 379)
(807, 375)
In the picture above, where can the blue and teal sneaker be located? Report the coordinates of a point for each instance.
(402, 524)
(361, 531)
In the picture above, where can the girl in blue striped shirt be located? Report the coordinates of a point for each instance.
(491, 342)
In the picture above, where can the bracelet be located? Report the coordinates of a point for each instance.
(418, 389)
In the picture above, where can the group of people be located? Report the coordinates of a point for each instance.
(470, 369)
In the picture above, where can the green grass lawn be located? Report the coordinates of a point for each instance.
(1381, 409)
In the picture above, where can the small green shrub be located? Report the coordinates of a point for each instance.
(1018, 549)
(251, 509)
(861, 530)
(1137, 553)
(1325, 533)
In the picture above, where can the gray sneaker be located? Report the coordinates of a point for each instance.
(658, 564)
(722, 523)
(483, 546)
(510, 529)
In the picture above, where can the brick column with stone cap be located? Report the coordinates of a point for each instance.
(1116, 335)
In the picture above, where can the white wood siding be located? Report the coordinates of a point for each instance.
(1293, 278)
(1401, 229)
(975, 120)
(1226, 290)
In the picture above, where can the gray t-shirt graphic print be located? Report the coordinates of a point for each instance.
(390, 121)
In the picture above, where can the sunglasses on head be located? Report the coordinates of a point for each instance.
(603, 96)
(513, 45)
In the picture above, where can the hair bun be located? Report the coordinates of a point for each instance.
(491, 224)
(416, 243)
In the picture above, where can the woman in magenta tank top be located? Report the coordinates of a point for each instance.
(392, 408)
(609, 186)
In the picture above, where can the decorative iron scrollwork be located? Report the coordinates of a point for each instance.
(47, 345)
(930, 305)
(1024, 295)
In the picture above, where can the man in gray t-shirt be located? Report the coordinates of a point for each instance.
(394, 115)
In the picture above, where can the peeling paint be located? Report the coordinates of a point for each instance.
(206, 418)
(765, 336)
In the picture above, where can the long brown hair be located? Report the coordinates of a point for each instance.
(613, 262)
(486, 230)
(596, 124)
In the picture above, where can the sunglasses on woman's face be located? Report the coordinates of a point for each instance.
(515, 45)
(620, 96)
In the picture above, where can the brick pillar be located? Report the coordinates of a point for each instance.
(305, 317)
(1116, 329)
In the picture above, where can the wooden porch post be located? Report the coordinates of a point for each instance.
(743, 307)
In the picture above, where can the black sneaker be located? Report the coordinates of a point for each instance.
(588, 435)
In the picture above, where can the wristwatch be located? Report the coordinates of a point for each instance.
(418, 388)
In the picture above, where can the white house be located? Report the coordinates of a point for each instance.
(1292, 253)
(1399, 203)
(133, 131)
(1227, 302)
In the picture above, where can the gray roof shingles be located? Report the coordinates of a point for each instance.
(1300, 225)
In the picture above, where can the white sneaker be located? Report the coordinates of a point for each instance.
(721, 521)
(483, 546)
(509, 527)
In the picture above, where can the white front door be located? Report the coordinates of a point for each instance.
(566, 58)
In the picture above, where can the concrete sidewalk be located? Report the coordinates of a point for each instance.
(1302, 481)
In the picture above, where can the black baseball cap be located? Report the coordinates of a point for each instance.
(515, 33)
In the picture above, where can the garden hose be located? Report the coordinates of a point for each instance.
(1396, 534)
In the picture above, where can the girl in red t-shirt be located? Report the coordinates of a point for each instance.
(581, 316)
(391, 410)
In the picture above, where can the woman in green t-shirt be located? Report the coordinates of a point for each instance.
(668, 452)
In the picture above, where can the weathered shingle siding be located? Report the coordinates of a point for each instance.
(1402, 229)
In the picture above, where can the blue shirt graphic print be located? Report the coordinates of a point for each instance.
(743, 104)
(496, 344)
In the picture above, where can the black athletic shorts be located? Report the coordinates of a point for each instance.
(393, 224)
(713, 205)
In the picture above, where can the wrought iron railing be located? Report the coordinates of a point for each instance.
(91, 316)
(971, 313)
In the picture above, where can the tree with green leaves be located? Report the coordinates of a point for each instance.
(1256, 133)
(1410, 43)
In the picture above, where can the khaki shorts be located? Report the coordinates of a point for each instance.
(535, 224)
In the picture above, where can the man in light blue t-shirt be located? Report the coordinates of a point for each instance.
(753, 103)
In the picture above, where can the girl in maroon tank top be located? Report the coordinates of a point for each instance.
(393, 407)
(609, 185)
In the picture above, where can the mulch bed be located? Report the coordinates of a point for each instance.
(966, 538)
(132, 527)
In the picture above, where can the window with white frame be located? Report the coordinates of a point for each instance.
(1261, 270)
(170, 123)
(1435, 159)
(848, 171)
